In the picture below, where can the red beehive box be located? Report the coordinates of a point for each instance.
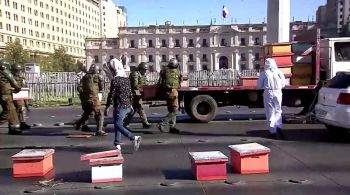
(209, 165)
(97, 155)
(248, 81)
(32, 162)
(250, 158)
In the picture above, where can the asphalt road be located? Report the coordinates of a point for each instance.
(309, 161)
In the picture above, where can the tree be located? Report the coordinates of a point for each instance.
(61, 61)
(15, 54)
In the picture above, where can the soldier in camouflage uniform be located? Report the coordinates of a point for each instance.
(7, 83)
(137, 80)
(170, 83)
(20, 105)
(89, 87)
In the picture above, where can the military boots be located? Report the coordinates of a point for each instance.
(14, 130)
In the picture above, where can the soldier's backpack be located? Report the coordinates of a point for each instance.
(90, 84)
(172, 79)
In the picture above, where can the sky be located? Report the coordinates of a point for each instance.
(191, 12)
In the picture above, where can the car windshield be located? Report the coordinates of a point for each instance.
(341, 80)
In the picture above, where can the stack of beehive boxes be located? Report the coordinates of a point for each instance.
(302, 60)
(106, 166)
(282, 54)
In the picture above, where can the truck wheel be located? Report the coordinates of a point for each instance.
(203, 108)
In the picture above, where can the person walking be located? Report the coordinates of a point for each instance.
(121, 96)
(272, 80)
(137, 80)
(89, 87)
(20, 105)
(8, 85)
(170, 83)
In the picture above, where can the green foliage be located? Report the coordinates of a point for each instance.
(62, 61)
(15, 54)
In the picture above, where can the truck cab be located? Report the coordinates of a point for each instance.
(334, 56)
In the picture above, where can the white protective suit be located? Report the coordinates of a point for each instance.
(272, 80)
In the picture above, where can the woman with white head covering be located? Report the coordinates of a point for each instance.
(272, 80)
(121, 96)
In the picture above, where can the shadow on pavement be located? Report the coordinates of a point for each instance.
(178, 174)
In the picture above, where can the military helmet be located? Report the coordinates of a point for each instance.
(94, 69)
(173, 63)
(4, 64)
(16, 68)
(142, 66)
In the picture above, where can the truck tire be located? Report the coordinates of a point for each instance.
(203, 108)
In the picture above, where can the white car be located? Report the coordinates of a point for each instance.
(333, 106)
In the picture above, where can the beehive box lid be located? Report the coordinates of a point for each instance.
(207, 157)
(33, 154)
(107, 161)
(97, 155)
(250, 149)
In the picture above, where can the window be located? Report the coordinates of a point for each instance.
(163, 43)
(243, 67)
(15, 17)
(8, 15)
(223, 42)
(150, 58)
(0, 25)
(8, 27)
(205, 59)
(132, 58)
(111, 57)
(257, 56)
(204, 67)
(163, 58)
(190, 43)
(96, 59)
(16, 29)
(9, 39)
(342, 51)
(204, 43)
(7, 2)
(151, 68)
(150, 43)
(23, 8)
(242, 41)
(190, 58)
(190, 68)
(177, 57)
(132, 44)
(243, 58)
(257, 42)
(23, 19)
(177, 43)
(257, 66)
(14, 5)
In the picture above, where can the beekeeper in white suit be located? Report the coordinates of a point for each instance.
(272, 80)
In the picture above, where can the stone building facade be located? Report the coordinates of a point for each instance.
(209, 47)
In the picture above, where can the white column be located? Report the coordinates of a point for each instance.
(278, 19)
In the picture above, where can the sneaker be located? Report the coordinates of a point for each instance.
(146, 125)
(118, 147)
(101, 133)
(174, 130)
(137, 142)
(160, 127)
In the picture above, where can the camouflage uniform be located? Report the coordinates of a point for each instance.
(137, 80)
(170, 82)
(7, 82)
(89, 87)
(20, 105)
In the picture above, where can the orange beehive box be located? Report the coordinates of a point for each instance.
(272, 49)
(209, 165)
(32, 162)
(249, 158)
(248, 81)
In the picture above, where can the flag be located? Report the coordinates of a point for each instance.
(224, 11)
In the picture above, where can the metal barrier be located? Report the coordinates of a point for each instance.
(59, 86)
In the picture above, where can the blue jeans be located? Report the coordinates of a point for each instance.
(119, 114)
